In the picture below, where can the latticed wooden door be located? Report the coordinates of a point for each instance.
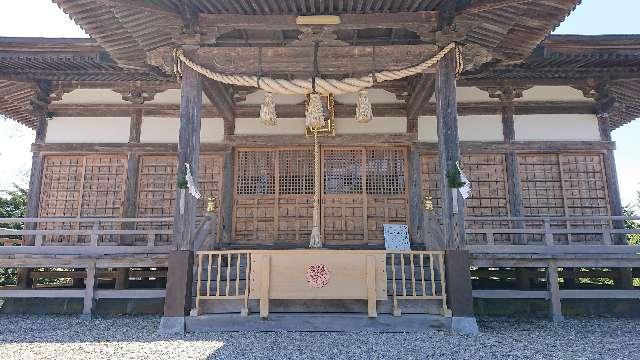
(273, 202)
(362, 189)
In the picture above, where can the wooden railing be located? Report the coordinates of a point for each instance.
(561, 230)
(223, 275)
(417, 275)
(414, 275)
(90, 231)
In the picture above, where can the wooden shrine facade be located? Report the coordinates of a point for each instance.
(161, 84)
(272, 189)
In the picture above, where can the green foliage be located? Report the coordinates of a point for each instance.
(631, 210)
(454, 178)
(13, 204)
(182, 183)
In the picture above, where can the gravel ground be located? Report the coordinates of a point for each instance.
(68, 337)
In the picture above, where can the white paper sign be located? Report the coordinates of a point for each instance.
(396, 237)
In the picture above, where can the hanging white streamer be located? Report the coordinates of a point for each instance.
(465, 190)
(193, 190)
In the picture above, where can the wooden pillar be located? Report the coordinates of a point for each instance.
(23, 279)
(188, 153)
(416, 231)
(130, 206)
(458, 276)
(227, 197)
(180, 271)
(615, 201)
(555, 305)
(449, 150)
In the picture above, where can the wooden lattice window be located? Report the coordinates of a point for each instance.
(342, 171)
(385, 172)
(295, 172)
(255, 173)
(364, 188)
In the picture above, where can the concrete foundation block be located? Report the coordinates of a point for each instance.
(172, 325)
(464, 325)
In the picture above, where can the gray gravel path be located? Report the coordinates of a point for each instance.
(68, 337)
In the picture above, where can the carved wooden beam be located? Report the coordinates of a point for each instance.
(298, 61)
(424, 23)
(220, 97)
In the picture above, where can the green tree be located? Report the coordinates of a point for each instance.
(13, 204)
(632, 210)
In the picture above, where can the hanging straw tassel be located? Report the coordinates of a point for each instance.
(315, 112)
(364, 112)
(268, 114)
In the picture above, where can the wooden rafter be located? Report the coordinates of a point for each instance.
(220, 97)
(485, 5)
(422, 92)
(140, 5)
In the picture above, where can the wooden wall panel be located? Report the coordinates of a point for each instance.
(585, 192)
(157, 183)
(487, 174)
(61, 186)
(541, 181)
(103, 186)
(82, 186)
(157, 187)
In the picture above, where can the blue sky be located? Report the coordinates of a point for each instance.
(596, 17)
(44, 19)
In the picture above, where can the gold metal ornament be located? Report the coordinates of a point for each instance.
(328, 129)
(427, 203)
(212, 204)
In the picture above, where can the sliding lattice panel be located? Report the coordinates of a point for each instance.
(343, 200)
(82, 186)
(274, 195)
(386, 189)
(295, 195)
(363, 189)
(255, 197)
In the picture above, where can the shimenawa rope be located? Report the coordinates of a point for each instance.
(322, 86)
